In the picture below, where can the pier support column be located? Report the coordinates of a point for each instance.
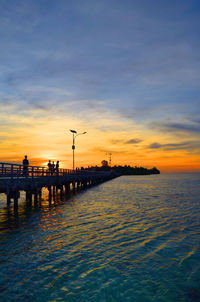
(73, 186)
(35, 197)
(84, 184)
(16, 195)
(50, 195)
(61, 192)
(8, 198)
(67, 189)
(40, 194)
(29, 196)
(54, 193)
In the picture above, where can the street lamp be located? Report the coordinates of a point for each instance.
(75, 134)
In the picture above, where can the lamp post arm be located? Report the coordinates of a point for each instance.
(79, 134)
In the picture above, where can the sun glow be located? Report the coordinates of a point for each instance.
(47, 137)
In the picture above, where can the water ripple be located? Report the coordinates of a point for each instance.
(130, 239)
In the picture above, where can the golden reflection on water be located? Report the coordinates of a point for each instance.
(13, 216)
(51, 210)
(188, 255)
(83, 275)
(57, 277)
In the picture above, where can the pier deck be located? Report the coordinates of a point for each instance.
(14, 178)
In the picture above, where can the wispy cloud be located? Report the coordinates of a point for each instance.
(187, 127)
(117, 141)
(133, 141)
(125, 142)
(189, 145)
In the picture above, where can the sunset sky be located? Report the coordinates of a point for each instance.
(127, 72)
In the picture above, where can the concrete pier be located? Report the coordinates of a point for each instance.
(12, 182)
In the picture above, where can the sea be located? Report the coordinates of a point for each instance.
(133, 238)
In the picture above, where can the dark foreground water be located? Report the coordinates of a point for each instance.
(135, 238)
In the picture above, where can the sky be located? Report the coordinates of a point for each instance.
(126, 72)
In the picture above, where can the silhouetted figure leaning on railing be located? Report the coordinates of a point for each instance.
(25, 166)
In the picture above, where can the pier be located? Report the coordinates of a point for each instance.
(14, 179)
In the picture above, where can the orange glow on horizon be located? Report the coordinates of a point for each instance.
(49, 138)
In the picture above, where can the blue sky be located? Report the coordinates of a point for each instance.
(136, 62)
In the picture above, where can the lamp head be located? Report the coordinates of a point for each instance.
(73, 131)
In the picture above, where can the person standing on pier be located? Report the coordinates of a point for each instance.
(52, 168)
(25, 165)
(57, 167)
(49, 167)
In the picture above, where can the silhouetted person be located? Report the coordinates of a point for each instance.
(25, 165)
(49, 167)
(57, 167)
(52, 168)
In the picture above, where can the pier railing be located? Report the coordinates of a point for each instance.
(10, 170)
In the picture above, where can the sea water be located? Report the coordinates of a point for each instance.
(134, 238)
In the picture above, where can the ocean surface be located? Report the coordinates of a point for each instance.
(134, 238)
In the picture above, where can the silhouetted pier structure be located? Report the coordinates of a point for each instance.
(14, 178)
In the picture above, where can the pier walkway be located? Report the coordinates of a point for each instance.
(15, 178)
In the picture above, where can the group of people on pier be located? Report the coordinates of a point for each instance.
(53, 168)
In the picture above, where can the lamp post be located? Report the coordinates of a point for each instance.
(75, 134)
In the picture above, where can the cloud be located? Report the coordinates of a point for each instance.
(128, 142)
(155, 146)
(189, 145)
(133, 141)
(187, 127)
(150, 110)
(42, 107)
(116, 141)
(182, 127)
